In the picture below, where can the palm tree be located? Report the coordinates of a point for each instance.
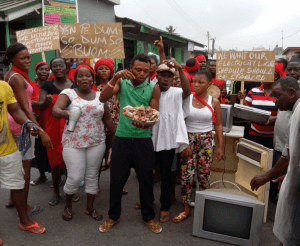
(171, 30)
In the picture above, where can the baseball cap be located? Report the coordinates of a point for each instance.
(164, 67)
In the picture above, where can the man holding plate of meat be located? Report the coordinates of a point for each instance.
(132, 146)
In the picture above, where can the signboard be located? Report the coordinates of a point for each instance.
(39, 39)
(246, 65)
(92, 40)
(60, 12)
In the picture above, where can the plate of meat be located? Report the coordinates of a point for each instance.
(146, 116)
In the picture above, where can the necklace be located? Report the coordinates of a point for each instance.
(202, 98)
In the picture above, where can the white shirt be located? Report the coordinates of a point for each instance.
(287, 219)
(170, 131)
(199, 119)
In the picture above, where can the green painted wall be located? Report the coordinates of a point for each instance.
(138, 47)
(35, 58)
(152, 48)
(178, 55)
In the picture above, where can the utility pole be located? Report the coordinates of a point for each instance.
(282, 39)
(208, 43)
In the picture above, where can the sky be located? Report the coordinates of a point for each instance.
(235, 24)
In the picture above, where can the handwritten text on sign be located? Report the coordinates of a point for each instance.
(39, 39)
(246, 65)
(91, 40)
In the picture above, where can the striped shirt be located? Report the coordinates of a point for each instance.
(258, 98)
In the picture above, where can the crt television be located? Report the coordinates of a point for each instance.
(227, 111)
(229, 216)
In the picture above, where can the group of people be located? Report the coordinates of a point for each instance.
(35, 114)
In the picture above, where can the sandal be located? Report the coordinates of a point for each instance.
(105, 227)
(29, 228)
(35, 211)
(164, 216)
(95, 215)
(54, 200)
(38, 181)
(69, 212)
(180, 217)
(154, 226)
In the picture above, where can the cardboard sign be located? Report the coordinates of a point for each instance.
(91, 40)
(39, 39)
(246, 66)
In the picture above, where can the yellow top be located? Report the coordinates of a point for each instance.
(7, 143)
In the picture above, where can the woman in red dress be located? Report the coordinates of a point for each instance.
(49, 93)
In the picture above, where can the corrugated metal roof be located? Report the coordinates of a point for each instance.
(9, 6)
(165, 34)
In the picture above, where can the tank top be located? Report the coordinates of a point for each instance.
(199, 119)
(15, 128)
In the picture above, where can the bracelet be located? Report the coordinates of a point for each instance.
(110, 85)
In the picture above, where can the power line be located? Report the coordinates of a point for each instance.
(183, 14)
(159, 24)
(188, 16)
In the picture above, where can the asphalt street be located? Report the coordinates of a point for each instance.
(83, 230)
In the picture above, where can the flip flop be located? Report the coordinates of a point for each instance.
(29, 228)
(38, 181)
(69, 212)
(105, 227)
(180, 217)
(164, 216)
(93, 213)
(35, 211)
(154, 226)
(54, 200)
(9, 205)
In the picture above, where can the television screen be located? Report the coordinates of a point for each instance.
(227, 219)
(224, 116)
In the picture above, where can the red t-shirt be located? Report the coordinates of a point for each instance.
(257, 98)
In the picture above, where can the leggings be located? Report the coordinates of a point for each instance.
(83, 163)
(203, 148)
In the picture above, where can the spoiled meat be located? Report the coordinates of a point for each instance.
(141, 113)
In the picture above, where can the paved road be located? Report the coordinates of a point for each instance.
(83, 230)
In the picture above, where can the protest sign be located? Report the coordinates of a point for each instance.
(91, 40)
(39, 39)
(246, 65)
(60, 12)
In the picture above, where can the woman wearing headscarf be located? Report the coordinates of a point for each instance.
(84, 148)
(49, 93)
(17, 78)
(42, 70)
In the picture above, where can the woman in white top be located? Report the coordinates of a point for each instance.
(84, 148)
(204, 112)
